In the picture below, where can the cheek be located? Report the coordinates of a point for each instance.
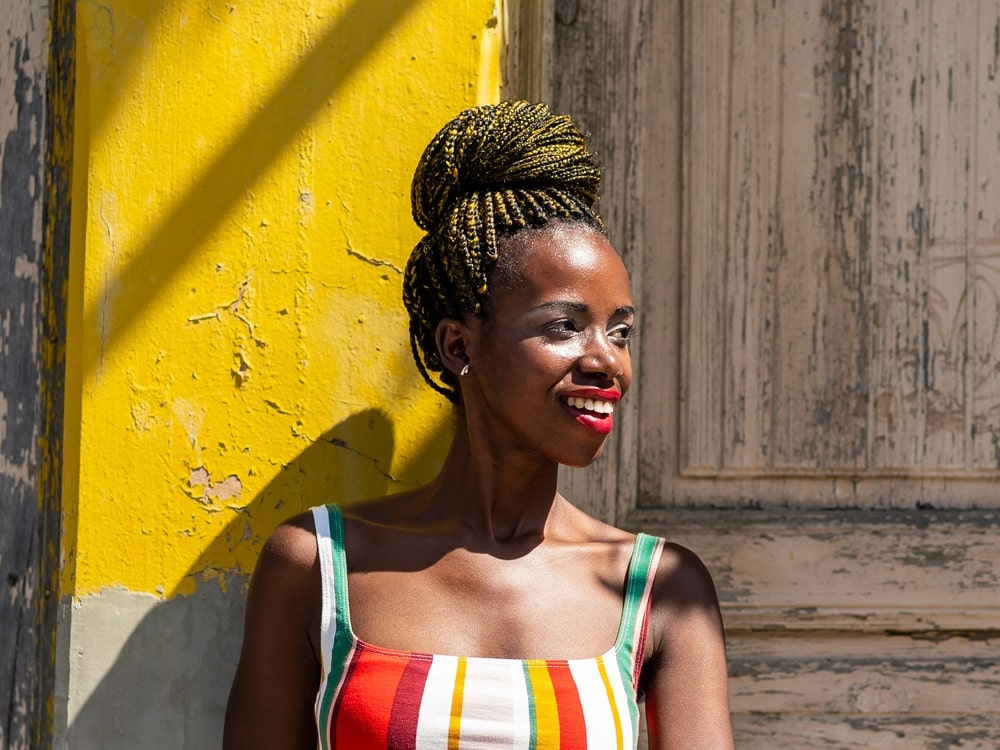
(554, 356)
(626, 377)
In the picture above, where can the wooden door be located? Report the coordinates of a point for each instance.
(807, 194)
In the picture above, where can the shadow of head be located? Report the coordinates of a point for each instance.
(168, 685)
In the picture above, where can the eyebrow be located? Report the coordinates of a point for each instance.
(623, 311)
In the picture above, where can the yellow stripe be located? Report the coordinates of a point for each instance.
(546, 711)
(611, 701)
(455, 725)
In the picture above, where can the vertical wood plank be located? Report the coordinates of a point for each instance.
(660, 195)
(802, 216)
(983, 239)
(528, 42)
(706, 229)
(950, 267)
(756, 131)
(986, 71)
(596, 42)
(22, 179)
(899, 282)
(832, 389)
(622, 31)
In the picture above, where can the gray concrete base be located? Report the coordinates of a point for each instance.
(135, 671)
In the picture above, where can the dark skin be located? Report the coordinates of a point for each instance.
(489, 559)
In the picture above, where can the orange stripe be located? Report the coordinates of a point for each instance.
(611, 702)
(546, 709)
(455, 725)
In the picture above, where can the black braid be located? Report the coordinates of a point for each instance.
(490, 172)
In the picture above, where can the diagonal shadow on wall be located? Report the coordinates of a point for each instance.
(313, 83)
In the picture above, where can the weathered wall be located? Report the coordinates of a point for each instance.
(236, 345)
(23, 66)
(806, 194)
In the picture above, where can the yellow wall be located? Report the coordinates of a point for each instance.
(240, 221)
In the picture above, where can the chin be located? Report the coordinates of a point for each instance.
(580, 462)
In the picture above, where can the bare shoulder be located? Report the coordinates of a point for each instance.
(682, 579)
(684, 670)
(685, 605)
(293, 543)
(285, 585)
(270, 702)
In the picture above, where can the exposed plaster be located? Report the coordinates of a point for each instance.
(230, 488)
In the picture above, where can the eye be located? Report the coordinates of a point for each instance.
(622, 334)
(563, 327)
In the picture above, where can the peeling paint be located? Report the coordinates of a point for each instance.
(25, 374)
(207, 491)
(226, 347)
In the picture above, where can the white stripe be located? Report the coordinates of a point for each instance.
(521, 728)
(621, 692)
(597, 714)
(495, 705)
(435, 704)
(328, 609)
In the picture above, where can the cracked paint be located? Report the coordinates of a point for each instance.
(229, 345)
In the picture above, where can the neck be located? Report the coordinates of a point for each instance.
(502, 493)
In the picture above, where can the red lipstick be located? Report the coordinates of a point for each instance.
(594, 419)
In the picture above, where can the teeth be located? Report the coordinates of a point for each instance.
(589, 404)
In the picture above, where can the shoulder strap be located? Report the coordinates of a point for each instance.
(335, 625)
(635, 612)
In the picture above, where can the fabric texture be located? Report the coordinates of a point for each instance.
(372, 698)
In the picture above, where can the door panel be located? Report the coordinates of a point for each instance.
(807, 195)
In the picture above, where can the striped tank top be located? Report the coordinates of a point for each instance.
(373, 698)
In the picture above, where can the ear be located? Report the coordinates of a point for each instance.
(453, 338)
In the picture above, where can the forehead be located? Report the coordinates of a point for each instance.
(568, 261)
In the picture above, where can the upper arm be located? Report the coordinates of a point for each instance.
(271, 700)
(687, 696)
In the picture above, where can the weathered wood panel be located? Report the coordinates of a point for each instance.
(859, 570)
(835, 732)
(864, 675)
(808, 195)
(594, 42)
(841, 306)
(22, 127)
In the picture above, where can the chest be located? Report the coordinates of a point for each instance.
(558, 605)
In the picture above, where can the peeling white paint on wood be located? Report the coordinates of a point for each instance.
(808, 197)
(23, 58)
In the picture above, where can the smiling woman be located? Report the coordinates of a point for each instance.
(484, 610)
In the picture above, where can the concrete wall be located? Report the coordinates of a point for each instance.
(236, 345)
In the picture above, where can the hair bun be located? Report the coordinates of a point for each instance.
(506, 146)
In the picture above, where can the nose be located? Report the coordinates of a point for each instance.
(602, 356)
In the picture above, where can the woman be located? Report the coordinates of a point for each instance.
(484, 610)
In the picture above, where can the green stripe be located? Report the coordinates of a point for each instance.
(638, 571)
(342, 637)
(532, 717)
(344, 634)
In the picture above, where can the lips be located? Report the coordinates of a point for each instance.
(594, 409)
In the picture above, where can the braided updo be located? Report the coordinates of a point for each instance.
(491, 171)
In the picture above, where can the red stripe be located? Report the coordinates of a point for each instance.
(331, 722)
(406, 705)
(572, 725)
(364, 710)
(639, 654)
